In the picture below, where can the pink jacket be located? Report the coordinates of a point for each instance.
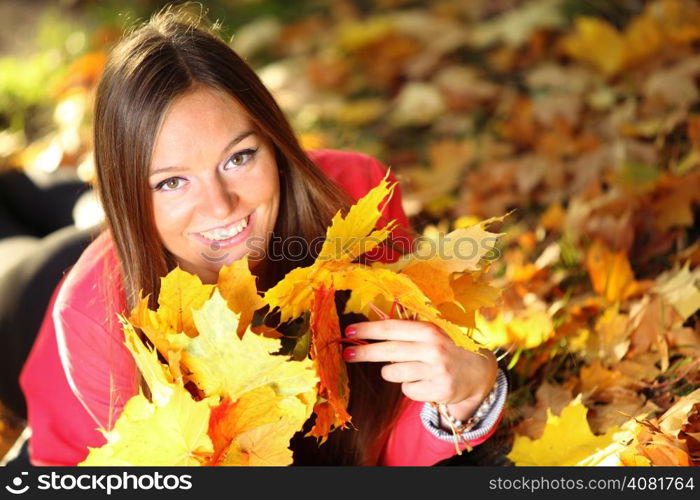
(79, 374)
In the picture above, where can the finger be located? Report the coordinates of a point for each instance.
(394, 329)
(408, 371)
(421, 390)
(387, 351)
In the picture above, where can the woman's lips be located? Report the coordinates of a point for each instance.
(216, 245)
(226, 227)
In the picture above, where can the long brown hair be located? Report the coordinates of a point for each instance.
(157, 63)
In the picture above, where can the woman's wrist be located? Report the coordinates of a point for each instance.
(478, 425)
(466, 414)
(463, 410)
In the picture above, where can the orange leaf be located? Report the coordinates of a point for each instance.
(665, 454)
(630, 458)
(326, 421)
(471, 293)
(237, 285)
(230, 419)
(433, 279)
(652, 318)
(326, 352)
(610, 272)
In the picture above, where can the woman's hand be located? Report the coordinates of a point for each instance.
(426, 362)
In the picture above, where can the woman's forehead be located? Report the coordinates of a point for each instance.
(198, 124)
(206, 99)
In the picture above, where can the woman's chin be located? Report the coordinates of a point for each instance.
(222, 259)
(211, 260)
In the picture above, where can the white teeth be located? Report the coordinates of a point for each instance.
(229, 232)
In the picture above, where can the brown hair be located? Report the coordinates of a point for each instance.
(157, 63)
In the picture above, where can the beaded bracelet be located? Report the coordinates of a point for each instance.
(458, 427)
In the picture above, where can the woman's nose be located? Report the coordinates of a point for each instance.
(218, 199)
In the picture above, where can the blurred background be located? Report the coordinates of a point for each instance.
(580, 116)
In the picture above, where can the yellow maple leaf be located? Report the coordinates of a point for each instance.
(170, 430)
(436, 264)
(230, 418)
(458, 251)
(433, 279)
(223, 364)
(292, 295)
(598, 43)
(173, 434)
(251, 425)
(367, 283)
(351, 236)
(180, 294)
(525, 328)
(410, 283)
(237, 285)
(491, 333)
(346, 240)
(530, 328)
(155, 374)
(267, 445)
(611, 339)
(551, 450)
(470, 294)
(236, 427)
(169, 327)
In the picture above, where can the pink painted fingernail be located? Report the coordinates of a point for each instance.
(350, 331)
(348, 354)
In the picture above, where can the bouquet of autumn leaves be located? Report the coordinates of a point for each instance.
(225, 395)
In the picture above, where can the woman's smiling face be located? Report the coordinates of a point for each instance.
(214, 182)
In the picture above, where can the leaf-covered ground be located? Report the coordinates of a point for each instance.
(581, 116)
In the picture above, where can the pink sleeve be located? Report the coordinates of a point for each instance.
(62, 425)
(98, 366)
(410, 443)
(79, 374)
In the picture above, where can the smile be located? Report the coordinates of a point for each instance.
(223, 237)
(227, 232)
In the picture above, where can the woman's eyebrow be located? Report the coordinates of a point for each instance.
(231, 144)
(238, 139)
(167, 169)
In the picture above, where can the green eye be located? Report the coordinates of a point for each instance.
(169, 184)
(241, 158)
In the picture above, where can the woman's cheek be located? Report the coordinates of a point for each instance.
(172, 218)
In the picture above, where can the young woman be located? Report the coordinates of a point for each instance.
(197, 167)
